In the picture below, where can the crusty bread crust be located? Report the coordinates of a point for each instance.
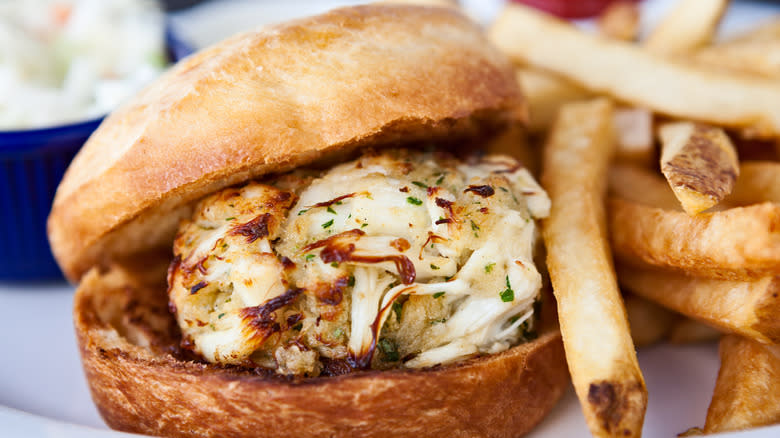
(269, 101)
(141, 384)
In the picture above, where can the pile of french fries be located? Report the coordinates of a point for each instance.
(662, 160)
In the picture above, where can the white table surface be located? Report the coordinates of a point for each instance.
(42, 389)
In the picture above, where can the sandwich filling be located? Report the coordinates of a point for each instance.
(397, 259)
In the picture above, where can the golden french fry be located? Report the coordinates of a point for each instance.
(599, 350)
(649, 322)
(735, 244)
(620, 20)
(544, 93)
(691, 24)
(750, 308)
(699, 162)
(689, 331)
(634, 132)
(759, 181)
(631, 74)
(643, 186)
(747, 392)
(753, 57)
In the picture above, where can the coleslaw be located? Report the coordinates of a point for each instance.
(63, 61)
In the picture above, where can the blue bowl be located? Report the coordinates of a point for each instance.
(32, 163)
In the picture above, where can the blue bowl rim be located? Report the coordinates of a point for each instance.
(174, 45)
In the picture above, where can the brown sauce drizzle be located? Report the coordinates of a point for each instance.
(262, 319)
(341, 248)
(255, 229)
(432, 238)
(332, 201)
(484, 190)
(443, 203)
(294, 319)
(363, 361)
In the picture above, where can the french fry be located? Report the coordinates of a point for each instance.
(631, 74)
(689, 331)
(759, 181)
(640, 185)
(597, 340)
(749, 308)
(620, 20)
(649, 322)
(747, 392)
(691, 24)
(735, 244)
(544, 93)
(699, 162)
(753, 57)
(634, 132)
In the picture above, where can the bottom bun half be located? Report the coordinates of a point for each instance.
(142, 382)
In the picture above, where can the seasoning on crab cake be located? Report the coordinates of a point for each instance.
(397, 259)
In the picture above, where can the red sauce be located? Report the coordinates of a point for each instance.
(569, 8)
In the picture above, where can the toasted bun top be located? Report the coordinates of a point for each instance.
(269, 101)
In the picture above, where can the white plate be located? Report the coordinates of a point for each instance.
(42, 389)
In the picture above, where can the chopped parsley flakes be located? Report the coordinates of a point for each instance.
(438, 294)
(397, 308)
(507, 294)
(389, 350)
(489, 267)
(414, 201)
(327, 224)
